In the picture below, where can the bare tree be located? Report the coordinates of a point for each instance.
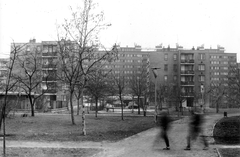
(119, 86)
(179, 96)
(138, 85)
(217, 92)
(10, 83)
(97, 86)
(28, 72)
(233, 81)
(79, 43)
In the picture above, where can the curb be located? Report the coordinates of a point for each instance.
(219, 155)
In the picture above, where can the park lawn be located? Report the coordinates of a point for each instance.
(59, 127)
(229, 152)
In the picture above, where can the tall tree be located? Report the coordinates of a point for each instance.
(138, 85)
(10, 83)
(119, 86)
(79, 43)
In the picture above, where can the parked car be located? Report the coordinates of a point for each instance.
(132, 105)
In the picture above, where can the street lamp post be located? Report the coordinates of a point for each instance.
(155, 75)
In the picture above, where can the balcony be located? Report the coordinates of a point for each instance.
(49, 78)
(187, 94)
(187, 61)
(187, 83)
(187, 72)
(50, 91)
(48, 66)
(49, 54)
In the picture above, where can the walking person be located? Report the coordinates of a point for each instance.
(164, 123)
(195, 129)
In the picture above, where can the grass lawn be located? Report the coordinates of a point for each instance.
(227, 130)
(59, 127)
(229, 152)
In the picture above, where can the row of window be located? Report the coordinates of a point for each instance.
(217, 68)
(219, 73)
(218, 79)
(224, 57)
(129, 61)
(201, 56)
(222, 62)
(132, 55)
(166, 57)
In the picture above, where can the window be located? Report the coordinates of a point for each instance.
(175, 67)
(28, 48)
(165, 67)
(50, 48)
(201, 78)
(214, 62)
(201, 67)
(175, 78)
(202, 56)
(165, 57)
(224, 73)
(165, 78)
(225, 62)
(175, 57)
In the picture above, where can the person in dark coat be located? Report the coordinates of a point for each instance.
(195, 129)
(164, 123)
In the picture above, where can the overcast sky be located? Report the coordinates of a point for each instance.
(144, 22)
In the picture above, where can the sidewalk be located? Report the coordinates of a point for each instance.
(148, 143)
(144, 144)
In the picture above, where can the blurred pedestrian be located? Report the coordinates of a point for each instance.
(164, 123)
(195, 130)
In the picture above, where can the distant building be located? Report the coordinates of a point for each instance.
(46, 51)
(193, 71)
(3, 70)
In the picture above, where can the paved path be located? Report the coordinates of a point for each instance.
(144, 144)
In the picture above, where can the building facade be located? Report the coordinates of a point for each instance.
(192, 71)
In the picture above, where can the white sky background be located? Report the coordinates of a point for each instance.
(145, 22)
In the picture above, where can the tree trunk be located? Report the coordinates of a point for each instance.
(83, 116)
(96, 104)
(138, 105)
(121, 107)
(71, 107)
(1, 119)
(32, 106)
(78, 104)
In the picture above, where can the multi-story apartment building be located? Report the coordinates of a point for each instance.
(130, 62)
(192, 71)
(46, 55)
(3, 70)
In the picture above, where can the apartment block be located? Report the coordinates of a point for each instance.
(192, 71)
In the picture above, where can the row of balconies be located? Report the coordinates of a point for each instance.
(50, 54)
(187, 83)
(187, 72)
(187, 60)
(188, 94)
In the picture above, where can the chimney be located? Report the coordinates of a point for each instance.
(32, 41)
